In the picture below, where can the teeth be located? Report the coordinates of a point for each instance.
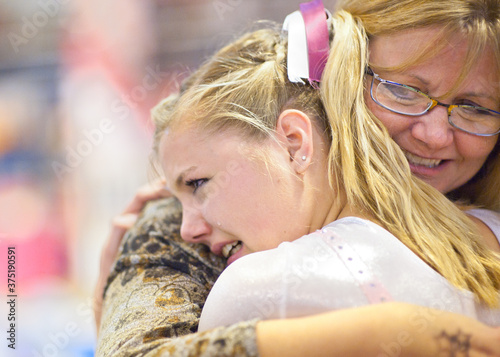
(417, 160)
(231, 248)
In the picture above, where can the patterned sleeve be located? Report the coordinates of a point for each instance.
(155, 293)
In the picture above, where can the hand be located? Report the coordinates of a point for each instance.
(120, 225)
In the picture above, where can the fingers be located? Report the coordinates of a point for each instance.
(152, 191)
(120, 224)
(125, 221)
(97, 303)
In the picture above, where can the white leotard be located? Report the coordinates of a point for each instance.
(350, 262)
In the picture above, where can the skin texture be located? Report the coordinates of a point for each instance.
(391, 329)
(430, 136)
(214, 176)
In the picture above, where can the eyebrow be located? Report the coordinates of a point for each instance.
(480, 95)
(420, 79)
(467, 94)
(180, 179)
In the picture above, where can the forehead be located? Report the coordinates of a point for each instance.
(392, 49)
(180, 150)
(446, 66)
(183, 143)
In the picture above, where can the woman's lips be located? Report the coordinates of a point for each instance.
(236, 253)
(231, 248)
(232, 251)
(421, 161)
(424, 166)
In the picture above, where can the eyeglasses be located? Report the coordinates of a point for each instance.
(402, 99)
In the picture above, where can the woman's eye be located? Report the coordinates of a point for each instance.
(403, 92)
(468, 102)
(399, 93)
(196, 183)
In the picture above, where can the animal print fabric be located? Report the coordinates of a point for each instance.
(156, 290)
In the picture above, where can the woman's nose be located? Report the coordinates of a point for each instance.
(433, 129)
(194, 228)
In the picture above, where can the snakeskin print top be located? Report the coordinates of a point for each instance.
(155, 293)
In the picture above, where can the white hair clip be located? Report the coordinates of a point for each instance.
(308, 42)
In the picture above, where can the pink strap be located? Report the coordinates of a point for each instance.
(372, 288)
(318, 42)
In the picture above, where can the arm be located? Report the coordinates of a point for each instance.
(391, 329)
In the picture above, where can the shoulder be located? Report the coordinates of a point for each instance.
(252, 274)
(268, 267)
(490, 218)
(253, 286)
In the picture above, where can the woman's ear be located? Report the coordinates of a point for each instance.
(294, 128)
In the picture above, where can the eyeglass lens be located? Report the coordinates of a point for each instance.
(404, 100)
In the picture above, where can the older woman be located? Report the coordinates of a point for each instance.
(433, 82)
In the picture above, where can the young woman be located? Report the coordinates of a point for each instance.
(205, 337)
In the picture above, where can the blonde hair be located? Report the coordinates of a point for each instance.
(479, 22)
(244, 87)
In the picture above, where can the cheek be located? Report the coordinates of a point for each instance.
(252, 205)
(475, 149)
(394, 123)
(229, 199)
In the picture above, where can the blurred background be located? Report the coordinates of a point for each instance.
(77, 81)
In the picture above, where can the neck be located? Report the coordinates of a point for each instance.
(340, 208)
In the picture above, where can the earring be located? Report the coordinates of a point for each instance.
(304, 158)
